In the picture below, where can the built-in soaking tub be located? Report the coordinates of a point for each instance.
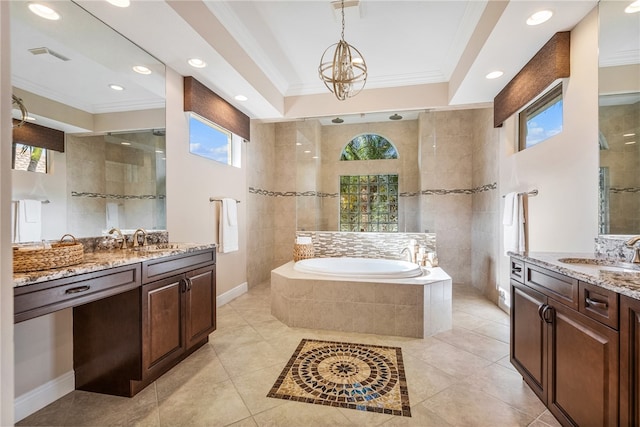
(361, 268)
(376, 296)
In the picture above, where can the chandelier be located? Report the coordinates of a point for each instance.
(342, 68)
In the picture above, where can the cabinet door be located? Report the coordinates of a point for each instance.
(200, 299)
(529, 337)
(583, 369)
(629, 361)
(162, 327)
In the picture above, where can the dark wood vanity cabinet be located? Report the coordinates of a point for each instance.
(178, 314)
(125, 342)
(569, 359)
(629, 361)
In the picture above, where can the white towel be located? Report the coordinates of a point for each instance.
(29, 221)
(513, 221)
(228, 226)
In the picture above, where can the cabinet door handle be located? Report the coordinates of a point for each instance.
(189, 283)
(596, 304)
(547, 314)
(541, 308)
(183, 285)
(78, 289)
(517, 269)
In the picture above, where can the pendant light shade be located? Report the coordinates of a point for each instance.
(343, 68)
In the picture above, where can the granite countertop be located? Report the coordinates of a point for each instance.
(625, 282)
(104, 259)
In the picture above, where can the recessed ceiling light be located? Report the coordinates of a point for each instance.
(307, 151)
(337, 120)
(44, 11)
(494, 75)
(314, 157)
(141, 69)
(629, 143)
(240, 98)
(395, 116)
(539, 17)
(197, 63)
(125, 143)
(298, 143)
(629, 134)
(633, 7)
(116, 87)
(120, 3)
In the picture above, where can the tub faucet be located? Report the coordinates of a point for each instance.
(135, 237)
(120, 238)
(411, 250)
(631, 243)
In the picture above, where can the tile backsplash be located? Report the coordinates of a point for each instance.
(613, 246)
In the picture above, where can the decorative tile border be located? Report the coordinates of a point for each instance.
(105, 243)
(625, 190)
(117, 196)
(364, 377)
(428, 192)
(366, 245)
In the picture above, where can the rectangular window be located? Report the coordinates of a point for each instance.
(542, 119)
(209, 140)
(29, 158)
(369, 203)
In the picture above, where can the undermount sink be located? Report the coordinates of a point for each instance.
(602, 264)
(161, 247)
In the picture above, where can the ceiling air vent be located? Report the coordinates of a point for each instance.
(47, 51)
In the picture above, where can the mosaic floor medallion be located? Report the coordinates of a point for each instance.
(356, 376)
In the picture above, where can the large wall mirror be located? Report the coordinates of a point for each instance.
(619, 118)
(77, 75)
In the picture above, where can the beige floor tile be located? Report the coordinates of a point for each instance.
(467, 321)
(424, 381)
(495, 330)
(485, 347)
(230, 340)
(249, 301)
(93, 409)
(53, 414)
(365, 418)
(247, 422)
(507, 386)
(256, 315)
(420, 417)
(548, 419)
(250, 358)
(253, 388)
(203, 404)
(452, 360)
(506, 362)
(461, 406)
(228, 318)
(295, 414)
(202, 366)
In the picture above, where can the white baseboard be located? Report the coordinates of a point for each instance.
(232, 294)
(43, 395)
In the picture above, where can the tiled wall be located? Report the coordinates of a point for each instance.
(623, 163)
(444, 189)
(614, 247)
(366, 245)
(125, 176)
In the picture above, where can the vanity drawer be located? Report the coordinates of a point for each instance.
(47, 297)
(599, 304)
(163, 267)
(557, 286)
(517, 270)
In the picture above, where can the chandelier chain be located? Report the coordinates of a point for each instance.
(342, 20)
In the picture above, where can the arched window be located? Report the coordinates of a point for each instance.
(369, 146)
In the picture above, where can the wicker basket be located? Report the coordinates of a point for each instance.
(302, 251)
(61, 254)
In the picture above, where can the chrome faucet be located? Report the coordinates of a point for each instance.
(631, 243)
(411, 249)
(120, 239)
(135, 237)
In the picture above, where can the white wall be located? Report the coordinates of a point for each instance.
(191, 180)
(564, 169)
(6, 269)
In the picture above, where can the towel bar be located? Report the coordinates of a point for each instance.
(531, 193)
(217, 199)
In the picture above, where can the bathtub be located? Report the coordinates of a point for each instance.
(357, 295)
(363, 268)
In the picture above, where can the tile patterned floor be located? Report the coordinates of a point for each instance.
(364, 377)
(461, 377)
